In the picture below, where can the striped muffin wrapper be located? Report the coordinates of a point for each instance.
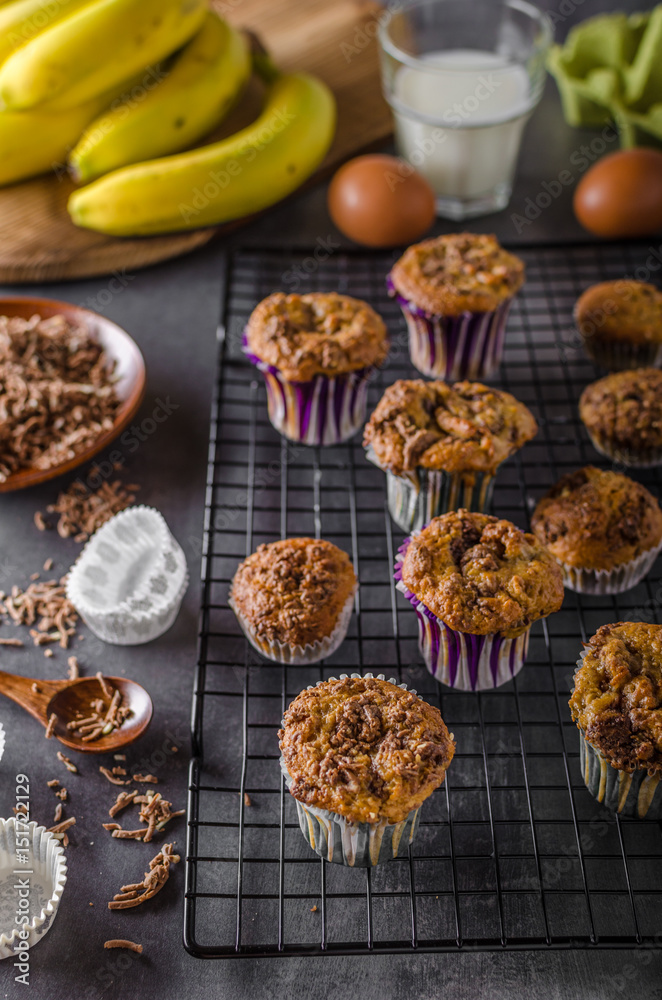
(355, 845)
(458, 659)
(283, 652)
(622, 355)
(609, 581)
(469, 345)
(323, 411)
(413, 502)
(629, 794)
(642, 458)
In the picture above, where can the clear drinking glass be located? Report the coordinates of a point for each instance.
(462, 78)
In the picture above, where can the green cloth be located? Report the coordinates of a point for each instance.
(610, 69)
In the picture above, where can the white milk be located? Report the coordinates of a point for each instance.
(461, 128)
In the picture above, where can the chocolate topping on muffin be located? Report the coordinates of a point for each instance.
(625, 409)
(316, 334)
(481, 575)
(293, 591)
(364, 748)
(621, 310)
(592, 519)
(459, 273)
(617, 697)
(456, 428)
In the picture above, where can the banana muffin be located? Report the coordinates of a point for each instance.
(617, 705)
(623, 416)
(360, 756)
(477, 584)
(455, 292)
(620, 323)
(317, 353)
(294, 598)
(603, 528)
(440, 445)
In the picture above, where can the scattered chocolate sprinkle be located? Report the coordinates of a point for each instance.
(48, 653)
(153, 882)
(313, 909)
(82, 511)
(62, 794)
(39, 522)
(122, 801)
(48, 565)
(122, 943)
(53, 783)
(17, 643)
(45, 605)
(105, 687)
(148, 779)
(50, 728)
(111, 777)
(58, 813)
(67, 763)
(63, 826)
(73, 668)
(247, 799)
(34, 576)
(119, 756)
(119, 771)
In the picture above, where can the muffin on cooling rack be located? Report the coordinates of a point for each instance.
(441, 445)
(360, 755)
(455, 292)
(620, 323)
(317, 353)
(617, 705)
(623, 416)
(477, 584)
(604, 529)
(294, 599)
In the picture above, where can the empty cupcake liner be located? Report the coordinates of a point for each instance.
(628, 794)
(283, 652)
(643, 458)
(129, 581)
(621, 355)
(458, 659)
(355, 845)
(415, 498)
(324, 411)
(454, 347)
(32, 878)
(609, 581)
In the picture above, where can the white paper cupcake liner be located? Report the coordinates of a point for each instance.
(458, 659)
(641, 459)
(609, 581)
(130, 579)
(283, 652)
(355, 845)
(33, 889)
(637, 794)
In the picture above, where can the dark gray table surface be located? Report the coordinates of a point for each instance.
(172, 311)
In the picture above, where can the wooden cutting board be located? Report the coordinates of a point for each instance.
(333, 38)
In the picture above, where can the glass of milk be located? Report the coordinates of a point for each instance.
(462, 78)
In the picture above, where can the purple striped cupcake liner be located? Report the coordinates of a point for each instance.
(469, 345)
(458, 659)
(324, 411)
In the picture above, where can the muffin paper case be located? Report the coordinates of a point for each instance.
(129, 580)
(355, 845)
(35, 892)
(609, 581)
(283, 652)
(415, 498)
(622, 355)
(458, 659)
(643, 459)
(323, 411)
(637, 794)
(454, 347)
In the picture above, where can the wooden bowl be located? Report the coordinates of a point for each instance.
(129, 367)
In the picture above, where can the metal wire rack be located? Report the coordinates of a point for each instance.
(512, 851)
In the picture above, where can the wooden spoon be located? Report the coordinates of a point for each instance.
(67, 698)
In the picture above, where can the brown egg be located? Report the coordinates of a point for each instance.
(380, 201)
(622, 194)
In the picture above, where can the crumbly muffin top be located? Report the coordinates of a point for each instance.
(364, 748)
(621, 310)
(321, 333)
(459, 273)
(294, 590)
(457, 428)
(480, 574)
(617, 697)
(626, 408)
(595, 519)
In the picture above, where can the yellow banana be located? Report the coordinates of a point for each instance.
(199, 90)
(94, 49)
(226, 180)
(35, 142)
(22, 20)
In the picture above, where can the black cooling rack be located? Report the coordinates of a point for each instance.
(512, 851)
